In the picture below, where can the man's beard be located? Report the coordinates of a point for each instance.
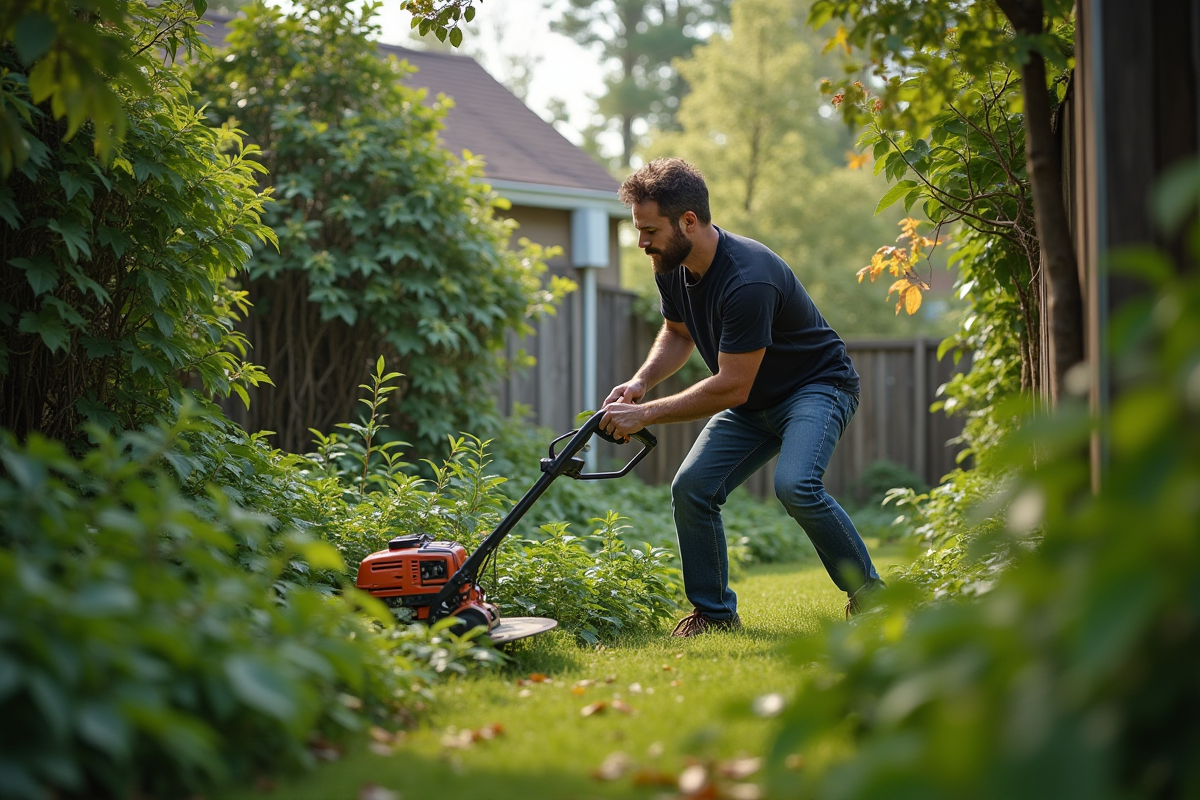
(669, 259)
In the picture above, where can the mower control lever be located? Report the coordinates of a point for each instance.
(579, 439)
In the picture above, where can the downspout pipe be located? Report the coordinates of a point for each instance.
(589, 252)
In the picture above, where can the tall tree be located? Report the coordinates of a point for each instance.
(776, 170)
(641, 38)
(943, 41)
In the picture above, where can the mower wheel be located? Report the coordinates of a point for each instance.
(468, 619)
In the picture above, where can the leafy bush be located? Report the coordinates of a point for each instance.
(151, 641)
(596, 587)
(1075, 674)
(387, 243)
(113, 272)
(367, 497)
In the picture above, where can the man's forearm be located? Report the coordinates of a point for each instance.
(667, 356)
(702, 399)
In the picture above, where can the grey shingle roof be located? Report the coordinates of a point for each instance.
(487, 119)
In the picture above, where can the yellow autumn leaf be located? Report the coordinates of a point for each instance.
(856, 160)
(839, 38)
(912, 299)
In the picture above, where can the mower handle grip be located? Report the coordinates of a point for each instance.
(644, 436)
(579, 438)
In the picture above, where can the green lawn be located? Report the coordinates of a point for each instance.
(686, 698)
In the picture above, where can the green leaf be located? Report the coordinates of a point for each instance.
(456, 36)
(241, 392)
(73, 236)
(469, 14)
(48, 325)
(201, 6)
(72, 184)
(8, 207)
(913, 195)
(894, 194)
(41, 273)
(33, 36)
(101, 726)
(259, 686)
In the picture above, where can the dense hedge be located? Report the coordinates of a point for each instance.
(157, 642)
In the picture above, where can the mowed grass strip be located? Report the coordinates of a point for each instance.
(657, 700)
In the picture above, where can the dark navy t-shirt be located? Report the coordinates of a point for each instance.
(750, 299)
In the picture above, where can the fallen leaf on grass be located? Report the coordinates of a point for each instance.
(325, 750)
(578, 690)
(459, 740)
(593, 708)
(383, 742)
(693, 780)
(611, 679)
(463, 739)
(768, 705)
(524, 693)
(635, 688)
(676, 683)
(489, 731)
(794, 761)
(667, 668)
(537, 677)
(739, 768)
(620, 705)
(743, 791)
(654, 777)
(679, 655)
(373, 791)
(615, 766)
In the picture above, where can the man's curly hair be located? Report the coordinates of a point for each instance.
(674, 184)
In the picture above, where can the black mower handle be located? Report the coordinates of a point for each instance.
(579, 439)
(565, 462)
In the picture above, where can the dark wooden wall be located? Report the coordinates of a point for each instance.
(1132, 113)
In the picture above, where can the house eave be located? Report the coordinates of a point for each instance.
(540, 195)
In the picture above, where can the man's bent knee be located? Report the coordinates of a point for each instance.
(802, 498)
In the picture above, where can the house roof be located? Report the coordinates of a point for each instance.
(519, 147)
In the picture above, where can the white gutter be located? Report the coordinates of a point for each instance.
(542, 195)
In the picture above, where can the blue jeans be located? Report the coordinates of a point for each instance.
(802, 430)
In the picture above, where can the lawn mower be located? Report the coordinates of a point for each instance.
(435, 580)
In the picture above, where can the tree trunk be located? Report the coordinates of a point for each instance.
(1065, 312)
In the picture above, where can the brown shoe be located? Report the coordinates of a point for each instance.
(854, 602)
(696, 623)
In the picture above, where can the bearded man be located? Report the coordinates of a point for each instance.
(781, 384)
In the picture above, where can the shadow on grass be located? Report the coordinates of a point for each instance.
(553, 652)
(417, 776)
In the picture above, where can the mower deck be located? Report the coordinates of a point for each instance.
(509, 629)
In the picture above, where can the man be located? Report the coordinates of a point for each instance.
(781, 384)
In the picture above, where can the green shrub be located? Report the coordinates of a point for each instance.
(594, 585)
(150, 641)
(388, 243)
(114, 271)
(1075, 675)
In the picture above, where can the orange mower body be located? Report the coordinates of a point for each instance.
(411, 572)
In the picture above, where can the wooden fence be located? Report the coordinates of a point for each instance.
(893, 422)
